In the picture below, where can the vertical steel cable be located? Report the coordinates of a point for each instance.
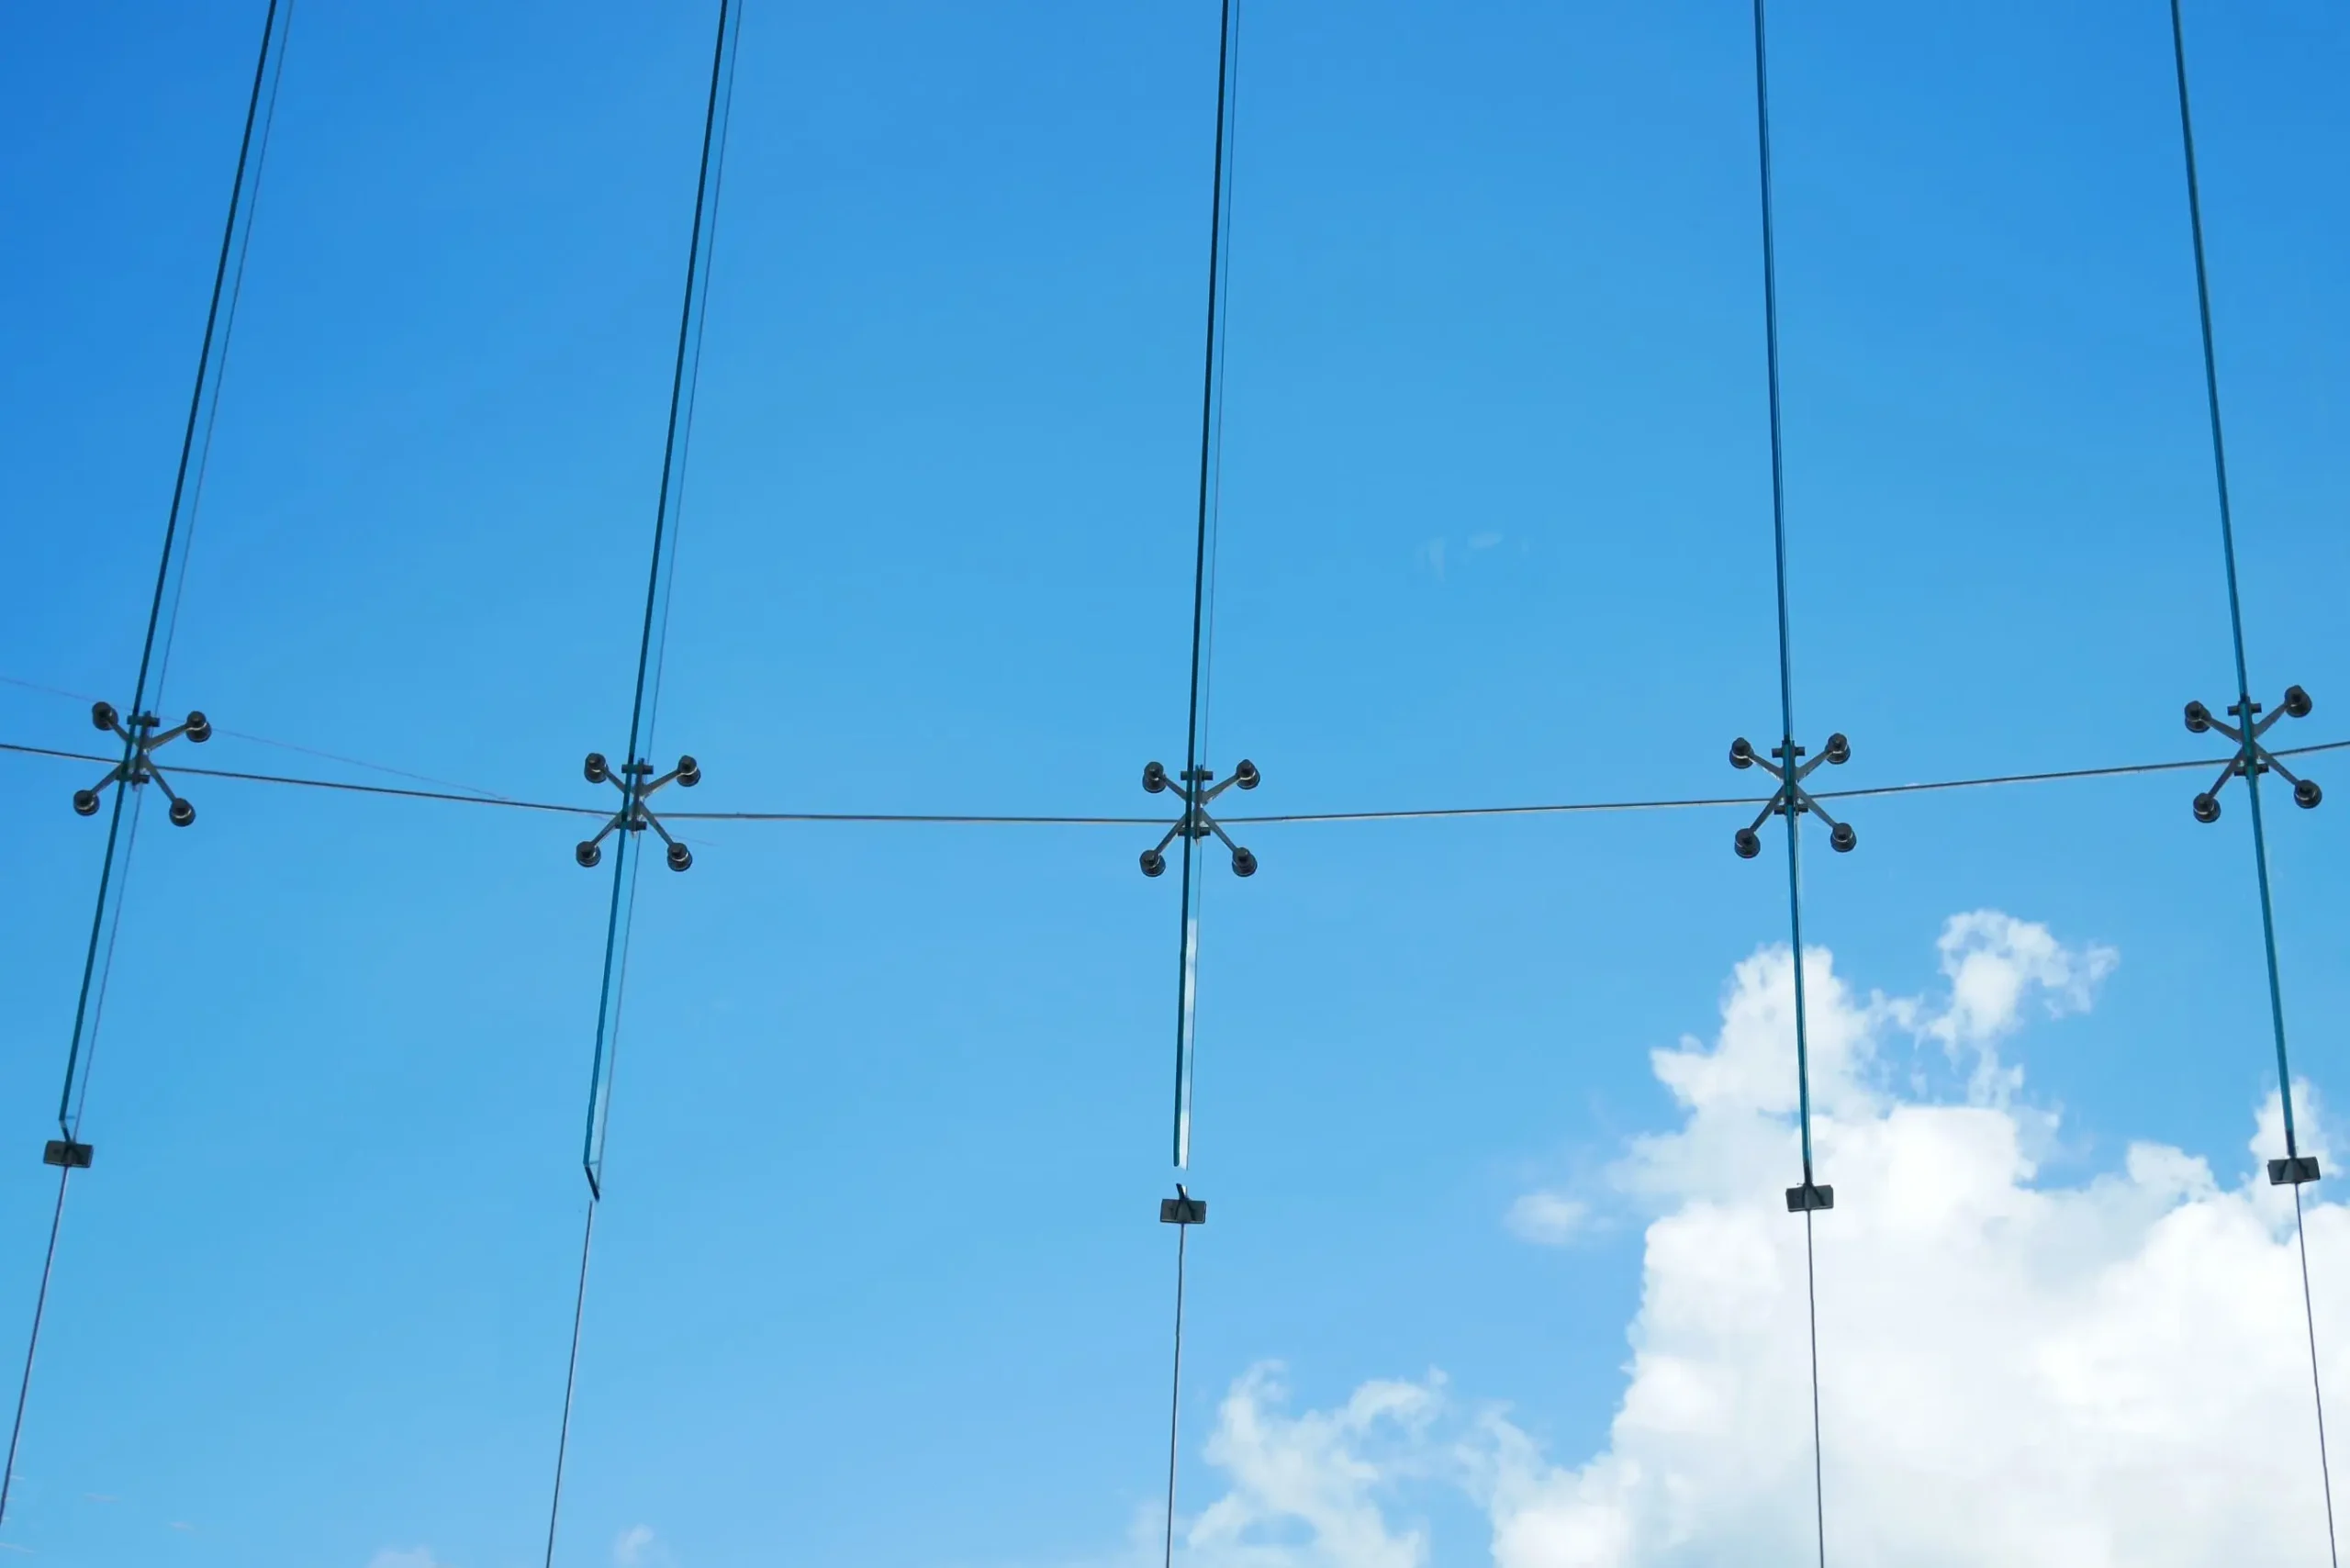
(114, 869)
(1175, 1400)
(1187, 950)
(652, 643)
(1203, 588)
(570, 1379)
(1787, 740)
(2244, 713)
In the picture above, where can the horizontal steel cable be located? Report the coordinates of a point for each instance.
(986, 819)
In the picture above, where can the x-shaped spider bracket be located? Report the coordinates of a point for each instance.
(142, 738)
(2251, 755)
(635, 781)
(1196, 790)
(1790, 797)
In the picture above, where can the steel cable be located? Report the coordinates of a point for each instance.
(1277, 819)
(651, 646)
(2249, 766)
(261, 112)
(1194, 781)
(1787, 754)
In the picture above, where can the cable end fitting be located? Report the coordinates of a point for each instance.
(2293, 1171)
(1810, 1198)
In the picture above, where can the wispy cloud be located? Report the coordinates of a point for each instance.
(411, 1557)
(639, 1547)
(1547, 1219)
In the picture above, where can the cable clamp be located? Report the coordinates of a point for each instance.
(1810, 1197)
(67, 1155)
(1193, 790)
(635, 781)
(140, 738)
(2252, 758)
(1182, 1208)
(2293, 1171)
(1790, 797)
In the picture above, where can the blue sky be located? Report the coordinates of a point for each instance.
(878, 1281)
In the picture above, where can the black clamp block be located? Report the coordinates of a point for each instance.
(635, 781)
(142, 737)
(2250, 756)
(1810, 1198)
(1195, 789)
(1182, 1208)
(67, 1155)
(1790, 797)
(2293, 1171)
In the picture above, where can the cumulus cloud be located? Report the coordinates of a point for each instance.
(2014, 1372)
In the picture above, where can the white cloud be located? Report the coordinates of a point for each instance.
(1547, 1219)
(1994, 963)
(2013, 1373)
(414, 1557)
(1318, 1473)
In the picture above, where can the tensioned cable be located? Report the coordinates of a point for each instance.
(983, 819)
(1787, 756)
(2252, 770)
(651, 645)
(1187, 934)
(114, 869)
(1187, 947)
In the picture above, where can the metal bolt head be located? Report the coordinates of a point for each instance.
(1748, 843)
(2199, 718)
(2306, 794)
(183, 813)
(1842, 838)
(2297, 703)
(680, 858)
(1153, 863)
(86, 803)
(1742, 753)
(199, 728)
(597, 770)
(1840, 750)
(1244, 864)
(2207, 808)
(103, 715)
(588, 853)
(1246, 775)
(1154, 779)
